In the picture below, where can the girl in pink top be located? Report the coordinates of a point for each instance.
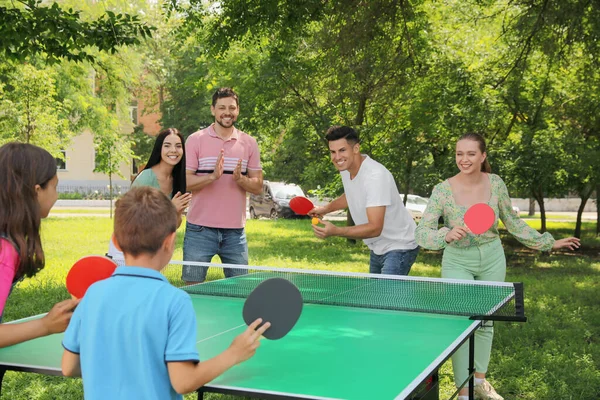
(28, 181)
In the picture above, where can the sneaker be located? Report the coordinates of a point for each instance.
(485, 391)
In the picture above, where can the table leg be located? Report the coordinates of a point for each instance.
(472, 367)
(2, 372)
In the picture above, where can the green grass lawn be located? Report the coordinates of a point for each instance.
(549, 216)
(555, 355)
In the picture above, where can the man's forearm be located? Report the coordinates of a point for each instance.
(195, 183)
(338, 204)
(251, 185)
(364, 231)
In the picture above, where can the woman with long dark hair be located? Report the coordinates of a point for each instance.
(28, 183)
(165, 169)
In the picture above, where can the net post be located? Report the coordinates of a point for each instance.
(519, 301)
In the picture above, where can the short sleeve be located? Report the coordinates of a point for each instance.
(377, 189)
(181, 340)
(72, 338)
(192, 152)
(254, 156)
(145, 178)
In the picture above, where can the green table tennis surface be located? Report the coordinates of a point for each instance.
(338, 352)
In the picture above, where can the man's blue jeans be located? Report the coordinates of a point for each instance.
(201, 243)
(395, 262)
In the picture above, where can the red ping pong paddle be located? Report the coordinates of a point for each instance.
(301, 205)
(86, 271)
(277, 301)
(479, 218)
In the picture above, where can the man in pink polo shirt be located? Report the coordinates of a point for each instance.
(222, 164)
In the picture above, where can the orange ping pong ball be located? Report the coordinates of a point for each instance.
(315, 220)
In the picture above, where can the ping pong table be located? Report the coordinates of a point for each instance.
(359, 336)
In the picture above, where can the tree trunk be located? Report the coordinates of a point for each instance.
(407, 173)
(543, 215)
(161, 97)
(584, 195)
(578, 223)
(531, 207)
(360, 117)
(538, 193)
(362, 106)
(597, 209)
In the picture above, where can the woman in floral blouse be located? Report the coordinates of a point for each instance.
(476, 257)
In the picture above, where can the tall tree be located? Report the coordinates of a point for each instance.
(31, 111)
(32, 28)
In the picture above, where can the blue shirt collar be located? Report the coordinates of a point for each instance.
(139, 272)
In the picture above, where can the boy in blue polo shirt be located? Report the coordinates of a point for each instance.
(133, 336)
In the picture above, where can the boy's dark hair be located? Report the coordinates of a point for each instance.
(224, 92)
(144, 217)
(342, 132)
(179, 183)
(22, 166)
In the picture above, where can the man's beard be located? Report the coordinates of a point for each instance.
(233, 120)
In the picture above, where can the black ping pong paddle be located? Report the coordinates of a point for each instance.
(277, 301)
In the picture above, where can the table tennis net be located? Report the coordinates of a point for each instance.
(478, 300)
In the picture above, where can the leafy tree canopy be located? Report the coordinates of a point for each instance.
(34, 29)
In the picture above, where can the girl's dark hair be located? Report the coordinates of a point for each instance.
(23, 166)
(476, 137)
(179, 169)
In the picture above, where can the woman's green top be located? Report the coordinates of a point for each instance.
(147, 178)
(442, 204)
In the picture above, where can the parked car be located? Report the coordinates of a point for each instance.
(274, 201)
(416, 205)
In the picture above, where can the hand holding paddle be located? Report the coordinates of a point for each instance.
(301, 205)
(57, 319)
(277, 301)
(479, 218)
(244, 345)
(457, 233)
(86, 271)
(318, 212)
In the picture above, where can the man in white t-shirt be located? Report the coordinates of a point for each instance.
(370, 193)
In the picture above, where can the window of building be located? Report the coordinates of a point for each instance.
(61, 163)
(133, 112)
